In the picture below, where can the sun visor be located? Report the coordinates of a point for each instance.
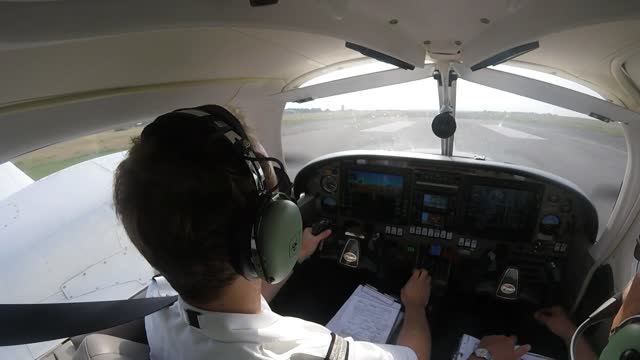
(379, 56)
(506, 55)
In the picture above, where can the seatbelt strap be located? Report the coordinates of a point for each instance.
(30, 323)
(338, 349)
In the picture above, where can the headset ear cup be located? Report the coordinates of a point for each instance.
(278, 239)
(623, 343)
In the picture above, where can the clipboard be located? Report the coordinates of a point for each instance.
(367, 315)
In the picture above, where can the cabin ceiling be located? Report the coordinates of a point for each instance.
(63, 50)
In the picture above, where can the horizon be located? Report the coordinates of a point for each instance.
(317, 109)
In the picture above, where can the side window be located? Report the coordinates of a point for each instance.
(48, 160)
(66, 243)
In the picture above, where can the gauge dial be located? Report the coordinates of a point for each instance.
(329, 183)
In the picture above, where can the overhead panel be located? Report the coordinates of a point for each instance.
(163, 57)
(339, 19)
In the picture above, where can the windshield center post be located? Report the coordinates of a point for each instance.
(446, 81)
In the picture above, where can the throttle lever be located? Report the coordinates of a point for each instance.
(320, 226)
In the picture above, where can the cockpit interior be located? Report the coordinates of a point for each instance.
(499, 241)
(493, 143)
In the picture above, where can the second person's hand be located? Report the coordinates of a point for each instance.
(502, 348)
(557, 320)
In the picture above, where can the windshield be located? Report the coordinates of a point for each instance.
(491, 123)
(394, 117)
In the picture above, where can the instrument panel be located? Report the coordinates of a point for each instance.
(412, 208)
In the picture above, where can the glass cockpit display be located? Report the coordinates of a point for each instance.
(374, 195)
(432, 219)
(436, 201)
(434, 210)
(498, 212)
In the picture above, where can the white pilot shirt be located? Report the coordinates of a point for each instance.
(266, 335)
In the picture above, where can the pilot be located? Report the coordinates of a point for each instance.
(188, 200)
(631, 303)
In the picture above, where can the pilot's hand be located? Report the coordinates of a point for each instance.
(631, 302)
(502, 347)
(417, 290)
(557, 321)
(310, 243)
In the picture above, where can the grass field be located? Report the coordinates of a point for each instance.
(45, 161)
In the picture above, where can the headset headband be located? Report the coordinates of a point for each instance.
(235, 135)
(212, 120)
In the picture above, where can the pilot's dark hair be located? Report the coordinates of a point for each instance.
(179, 199)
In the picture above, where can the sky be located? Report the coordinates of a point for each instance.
(423, 94)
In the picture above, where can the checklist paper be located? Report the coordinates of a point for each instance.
(367, 315)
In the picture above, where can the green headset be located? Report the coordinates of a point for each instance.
(269, 249)
(624, 341)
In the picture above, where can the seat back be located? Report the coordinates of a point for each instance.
(106, 347)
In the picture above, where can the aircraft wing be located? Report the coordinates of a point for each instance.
(60, 241)
(12, 179)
